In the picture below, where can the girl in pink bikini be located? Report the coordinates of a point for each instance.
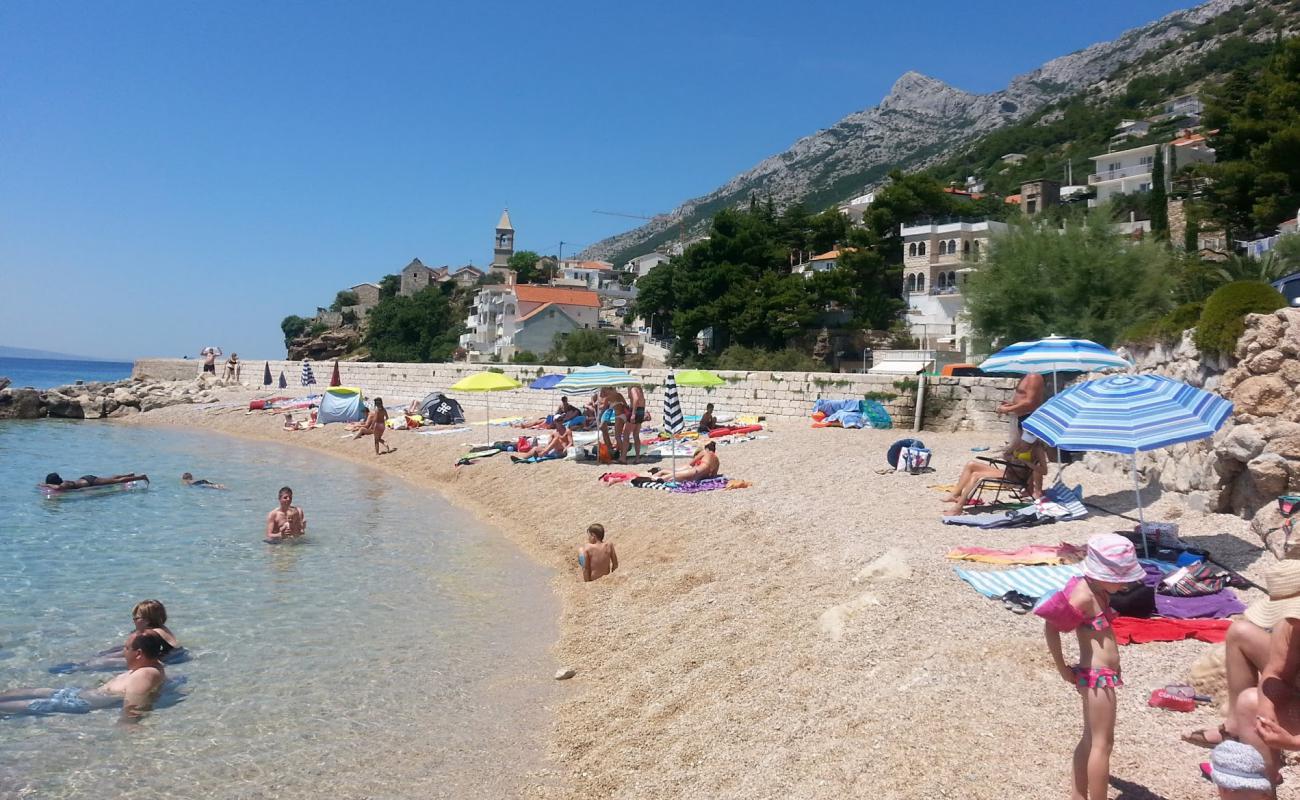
(1083, 606)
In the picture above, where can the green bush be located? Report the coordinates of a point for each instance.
(1224, 318)
(1168, 329)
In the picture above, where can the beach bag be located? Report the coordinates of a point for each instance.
(913, 459)
(1193, 581)
(1136, 601)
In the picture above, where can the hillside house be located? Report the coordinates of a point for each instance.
(591, 275)
(507, 318)
(468, 275)
(367, 297)
(641, 265)
(937, 257)
(821, 263)
(1129, 171)
(417, 277)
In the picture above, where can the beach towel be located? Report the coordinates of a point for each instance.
(442, 433)
(1131, 630)
(1034, 554)
(694, 487)
(610, 478)
(535, 459)
(1071, 499)
(1041, 581)
(876, 415)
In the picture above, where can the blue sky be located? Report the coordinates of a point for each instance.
(175, 174)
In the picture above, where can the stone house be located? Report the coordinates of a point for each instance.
(937, 257)
(416, 277)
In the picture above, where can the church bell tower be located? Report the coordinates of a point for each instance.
(505, 242)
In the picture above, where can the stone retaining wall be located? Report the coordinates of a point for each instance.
(950, 404)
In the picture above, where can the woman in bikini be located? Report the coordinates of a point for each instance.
(557, 447)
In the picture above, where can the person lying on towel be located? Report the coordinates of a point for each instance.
(704, 464)
(557, 447)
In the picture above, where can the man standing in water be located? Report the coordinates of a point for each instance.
(376, 423)
(136, 689)
(597, 557)
(286, 521)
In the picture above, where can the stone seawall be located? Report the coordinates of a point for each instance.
(950, 403)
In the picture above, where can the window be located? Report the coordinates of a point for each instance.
(911, 282)
(920, 283)
(952, 247)
(911, 249)
(1146, 161)
(952, 279)
(943, 247)
(920, 248)
(1114, 166)
(943, 281)
(977, 250)
(965, 247)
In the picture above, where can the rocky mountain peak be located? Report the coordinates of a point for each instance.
(922, 94)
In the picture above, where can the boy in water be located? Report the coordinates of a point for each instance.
(201, 483)
(287, 521)
(597, 557)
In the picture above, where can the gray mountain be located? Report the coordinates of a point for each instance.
(920, 121)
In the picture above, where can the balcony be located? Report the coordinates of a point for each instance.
(1118, 174)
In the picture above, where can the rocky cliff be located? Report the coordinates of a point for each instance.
(920, 121)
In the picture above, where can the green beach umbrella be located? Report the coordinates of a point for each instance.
(486, 382)
(699, 378)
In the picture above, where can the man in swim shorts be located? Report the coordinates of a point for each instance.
(209, 355)
(636, 398)
(54, 480)
(597, 557)
(286, 521)
(201, 483)
(705, 464)
(1028, 397)
(136, 689)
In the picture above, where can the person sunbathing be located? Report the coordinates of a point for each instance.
(558, 446)
(1031, 455)
(55, 481)
(705, 464)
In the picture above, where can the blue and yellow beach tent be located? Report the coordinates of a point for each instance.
(341, 404)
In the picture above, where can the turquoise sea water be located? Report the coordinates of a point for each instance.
(41, 373)
(401, 650)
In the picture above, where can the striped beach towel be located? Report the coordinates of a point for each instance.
(1070, 499)
(1029, 581)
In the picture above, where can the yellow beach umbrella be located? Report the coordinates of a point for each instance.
(486, 382)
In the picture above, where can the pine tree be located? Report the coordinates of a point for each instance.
(1158, 203)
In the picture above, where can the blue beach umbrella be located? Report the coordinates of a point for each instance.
(587, 379)
(1128, 414)
(1053, 354)
(266, 374)
(283, 383)
(546, 382)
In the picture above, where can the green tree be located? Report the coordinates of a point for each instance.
(1288, 251)
(343, 298)
(582, 348)
(1082, 280)
(1158, 200)
(1256, 182)
(524, 263)
(293, 326)
(423, 327)
(1223, 319)
(389, 286)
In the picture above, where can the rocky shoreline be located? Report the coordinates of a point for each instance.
(109, 400)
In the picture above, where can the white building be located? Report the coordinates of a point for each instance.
(510, 317)
(591, 275)
(1128, 171)
(641, 265)
(936, 260)
(823, 263)
(1130, 129)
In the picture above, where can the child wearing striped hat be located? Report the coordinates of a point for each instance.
(1083, 606)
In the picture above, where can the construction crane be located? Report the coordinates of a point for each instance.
(681, 225)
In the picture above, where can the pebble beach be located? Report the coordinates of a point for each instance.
(805, 637)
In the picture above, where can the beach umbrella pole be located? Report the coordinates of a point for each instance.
(487, 423)
(1137, 492)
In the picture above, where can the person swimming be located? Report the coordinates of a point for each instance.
(201, 483)
(149, 616)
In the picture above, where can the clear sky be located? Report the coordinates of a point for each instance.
(176, 174)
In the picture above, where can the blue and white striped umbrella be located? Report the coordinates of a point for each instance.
(1128, 414)
(1053, 354)
(307, 377)
(587, 379)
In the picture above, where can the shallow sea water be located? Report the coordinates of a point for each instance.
(401, 650)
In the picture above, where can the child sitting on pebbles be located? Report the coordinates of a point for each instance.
(1083, 606)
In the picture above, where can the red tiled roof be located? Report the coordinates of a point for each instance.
(540, 309)
(552, 294)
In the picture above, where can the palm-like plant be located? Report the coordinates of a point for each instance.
(1244, 268)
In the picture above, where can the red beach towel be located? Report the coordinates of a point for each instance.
(1134, 630)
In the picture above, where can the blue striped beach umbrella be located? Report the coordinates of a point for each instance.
(1128, 414)
(1054, 354)
(307, 377)
(588, 379)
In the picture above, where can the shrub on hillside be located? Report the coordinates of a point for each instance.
(1224, 318)
(1168, 329)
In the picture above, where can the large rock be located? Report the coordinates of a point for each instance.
(21, 404)
(1262, 396)
(62, 407)
(1243, 444)
(126, 397)
(157, 401)
(1267, 362)
(1265, 477)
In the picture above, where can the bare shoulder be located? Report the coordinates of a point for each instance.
(1082, 598)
